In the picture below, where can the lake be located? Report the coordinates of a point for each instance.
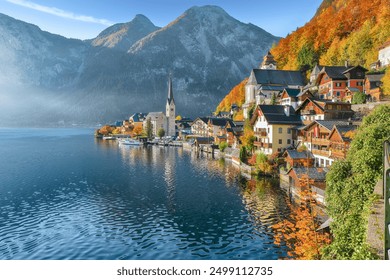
(66, 195)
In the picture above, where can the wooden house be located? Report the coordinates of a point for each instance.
(373, 86)
(311, 110)
(296, 158)
(333, 81)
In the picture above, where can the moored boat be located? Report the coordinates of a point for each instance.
(131, 142)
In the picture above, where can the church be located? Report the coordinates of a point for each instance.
(165, 121)
(267, 81)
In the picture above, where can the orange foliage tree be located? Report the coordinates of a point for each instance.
(341, 30)
(299, 231)
(235, 96)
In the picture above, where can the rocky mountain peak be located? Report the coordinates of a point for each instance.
(122, 36)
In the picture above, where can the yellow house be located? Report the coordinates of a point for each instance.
(272, 125)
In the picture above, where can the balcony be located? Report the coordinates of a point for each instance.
(308, 112)
(261, 133)
(322, 153)
(320, 141)
(262, 145)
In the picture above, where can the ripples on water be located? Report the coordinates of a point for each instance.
(65, 195)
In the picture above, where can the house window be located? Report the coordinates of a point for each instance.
(288, 130)
(338, 93)
(280, 141)
(330, 107)
(338, 84)
(280, 130)
(288, 141)
(338, 107)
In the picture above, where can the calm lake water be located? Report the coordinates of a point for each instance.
(66, 195)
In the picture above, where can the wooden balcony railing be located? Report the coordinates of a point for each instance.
(261, 133)
(320, 141)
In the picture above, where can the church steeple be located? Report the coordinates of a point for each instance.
(170, 111)
(170, 91)
(268, 62)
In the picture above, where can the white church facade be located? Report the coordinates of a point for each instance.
(166, 121)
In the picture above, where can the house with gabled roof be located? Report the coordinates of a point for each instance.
(200, 126)
(295, 158)
(315, 136)
(373, 86)
(273, 125)
(332, 81)
(339, 140)
(289, 96)
(313, 109)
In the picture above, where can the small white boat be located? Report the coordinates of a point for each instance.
(131, 142)
(109, 138)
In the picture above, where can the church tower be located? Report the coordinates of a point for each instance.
(170, 112)
(269, 62)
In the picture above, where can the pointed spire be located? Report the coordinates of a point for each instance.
(170, 91)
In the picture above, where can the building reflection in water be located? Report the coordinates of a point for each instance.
(264, 201)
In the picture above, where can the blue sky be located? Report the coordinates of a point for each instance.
(85, 19)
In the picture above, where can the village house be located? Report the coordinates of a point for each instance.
(267, 81)
(312, 109)
(273, 125)
(200, 127)
(333, 81)
(217, 128)
(373, 86)
(319, 136)
(289, 97)
(295, 158)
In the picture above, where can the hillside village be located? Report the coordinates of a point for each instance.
(308, 124)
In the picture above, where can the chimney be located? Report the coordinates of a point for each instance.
(287, 110)
(346, 63)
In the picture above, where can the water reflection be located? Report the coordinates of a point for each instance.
(93, 199)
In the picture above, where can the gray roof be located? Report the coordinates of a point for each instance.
(220, 121)
(329, 124)
(138, 117)
(336, 72)
(293, 92)
(353, 89)
(276, 77)
(274, 114)
(343, 129)
(318, 174)
(299, 155)
(374, 77)
(170, 92)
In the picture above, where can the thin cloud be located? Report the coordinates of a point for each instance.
(59, 12)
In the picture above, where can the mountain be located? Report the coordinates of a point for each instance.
(123, 35)
(340, 30)
(126, 67)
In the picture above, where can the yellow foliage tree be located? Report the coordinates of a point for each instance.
(386, 82)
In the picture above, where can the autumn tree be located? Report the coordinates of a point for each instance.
(137, 130)
(386, 82)
(299, 230)
(248, 138)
